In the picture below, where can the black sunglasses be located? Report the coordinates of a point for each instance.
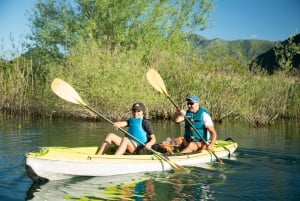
(190, 103)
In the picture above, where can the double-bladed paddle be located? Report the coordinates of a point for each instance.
(68, 93)
(157, 83)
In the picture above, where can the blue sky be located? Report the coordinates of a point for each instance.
(254, 19)
(273, 20)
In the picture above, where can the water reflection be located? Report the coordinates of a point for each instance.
(197, 185)
(170, 185)
(124, 187)
(82, 187)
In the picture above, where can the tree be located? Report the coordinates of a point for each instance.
(287, 53)
(53, 27)
(58, 24)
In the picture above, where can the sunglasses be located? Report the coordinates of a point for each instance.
(190, 103)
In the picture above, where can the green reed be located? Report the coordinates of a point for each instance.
(111, 81)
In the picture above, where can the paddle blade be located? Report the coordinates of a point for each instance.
(66, 91)
(156, 81)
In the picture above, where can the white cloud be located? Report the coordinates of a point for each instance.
(253, 36)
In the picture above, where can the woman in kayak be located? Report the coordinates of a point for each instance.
(201, 120)
(140, 129)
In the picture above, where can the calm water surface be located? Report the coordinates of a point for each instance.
(266, 166)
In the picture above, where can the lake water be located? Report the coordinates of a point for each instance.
(266, 166)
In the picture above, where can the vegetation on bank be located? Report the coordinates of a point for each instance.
(110, 77)
(112, 83)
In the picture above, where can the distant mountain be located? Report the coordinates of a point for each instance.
(244, 50)
(252, 52)
(268, 60)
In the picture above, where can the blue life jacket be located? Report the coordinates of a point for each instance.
(136, 130)
(197, 120)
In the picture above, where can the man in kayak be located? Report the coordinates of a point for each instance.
(139, 127)
(201, 120)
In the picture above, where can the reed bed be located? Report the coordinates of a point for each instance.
(112, 81)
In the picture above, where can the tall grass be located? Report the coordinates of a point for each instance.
(22, 93)
(112, 81)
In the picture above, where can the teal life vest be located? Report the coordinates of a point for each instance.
(137, 131)
(197, 120)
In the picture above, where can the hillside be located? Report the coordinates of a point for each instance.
(241, 49)
(270, 63)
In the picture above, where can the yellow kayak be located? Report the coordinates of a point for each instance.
(55, 163)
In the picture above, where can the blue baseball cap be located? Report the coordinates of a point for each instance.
(193, 98)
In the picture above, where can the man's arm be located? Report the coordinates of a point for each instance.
(179, 116)
(213, 134)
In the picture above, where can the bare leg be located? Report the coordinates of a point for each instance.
(126, 144)
(110, 138)
(105, 145)
(190, 148)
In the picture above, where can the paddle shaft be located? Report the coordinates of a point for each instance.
(127, 133)
(191, 124)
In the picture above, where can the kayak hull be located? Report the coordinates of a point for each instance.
(55, 163)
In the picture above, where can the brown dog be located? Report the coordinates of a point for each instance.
(172, 145)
